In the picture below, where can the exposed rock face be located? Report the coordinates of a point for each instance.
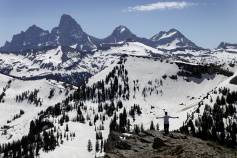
(68, 33)
(153, 144)
(224, 45)
(33, 38)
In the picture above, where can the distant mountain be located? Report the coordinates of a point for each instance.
(69, 33)
(119, 34)
(227, 47)
(33, 38)
(171, 40)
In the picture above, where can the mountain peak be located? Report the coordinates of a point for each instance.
(121, 28)
(226, 45)
(164, 34)
(173, 30)
(34, 28)
(68, 21)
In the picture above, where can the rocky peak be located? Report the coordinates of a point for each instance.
(120, 33)
(163, 34)
(35, 31)
(67, 22)
(68, 32)
(225, 45)
(221, 45)
(121, 30)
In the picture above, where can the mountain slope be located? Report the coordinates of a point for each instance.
(23, 100)
(140, 87)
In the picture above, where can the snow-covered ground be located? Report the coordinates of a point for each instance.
(149, 88)
(178, 97)
(10, 107)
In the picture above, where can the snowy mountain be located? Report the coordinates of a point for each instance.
(60, 63)
(139, 88)
(122, 33)
(172, 39)
(67, 64)
(69, 33)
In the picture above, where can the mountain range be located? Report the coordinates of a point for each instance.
(69, 33)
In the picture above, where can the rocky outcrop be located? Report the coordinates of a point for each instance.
(153, 144)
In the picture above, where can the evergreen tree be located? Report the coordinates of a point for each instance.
(32, 127)
(113, 123)
(89, 145)
(152, 127)
(136, 129)
(142, 128)
(46, 140)
(97, 145)
(101, 146)
(67, 128)
(37, 149)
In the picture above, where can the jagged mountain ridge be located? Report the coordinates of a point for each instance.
(228, 47)
(70, 33)
(33, 38)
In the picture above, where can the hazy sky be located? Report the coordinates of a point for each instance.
(205, 22)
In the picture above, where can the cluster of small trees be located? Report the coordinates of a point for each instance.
(18, 115)
(1, 96)
(135, 110)
(51, 93)
(105, 90)
(211, 124)
(30, 145)
(198, 70)
(30, 96)
(4, 90)
(148, 90)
